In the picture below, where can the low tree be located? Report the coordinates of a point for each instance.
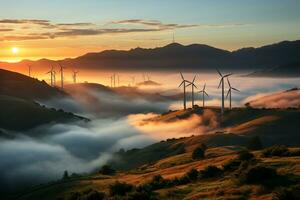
(254, 143)
(107, 170)
(199, 152)
(65, 175)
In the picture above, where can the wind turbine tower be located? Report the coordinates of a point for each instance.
(29, 70)
(222, 84)
(203, 95)
(75, 76)
(62, 75)
(230, 91)
(184, 92)
(193, 86)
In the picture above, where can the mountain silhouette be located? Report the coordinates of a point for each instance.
(178, 57)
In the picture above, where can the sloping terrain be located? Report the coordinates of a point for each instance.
(19, 111)
(19, 114)
(21, 86)
(223, 185)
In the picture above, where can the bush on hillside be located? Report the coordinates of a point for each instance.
(277, 150)
(65, 175)
(144, 192)
(254, 143)
(89, 194)
(210, 172)
(286, 193)
(245, 155)
(157, 182)
(107, 170)
(199, 152)
(258, 175)
(231, 165)
(120, 189)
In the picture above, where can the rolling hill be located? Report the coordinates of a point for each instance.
(21, 86)
(18, 96)
(286, 70)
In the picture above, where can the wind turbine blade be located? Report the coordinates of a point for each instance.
(181, 76)
(219, 73)
(206, 94)
(195, 86)
(228, 82)
(194, 79)
(188, 85)
(227, 75)
(181, 84)
(228, 93)
(204, 87)
(220, 82)
(235, 89)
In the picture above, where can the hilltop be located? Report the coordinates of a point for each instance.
(21, 86)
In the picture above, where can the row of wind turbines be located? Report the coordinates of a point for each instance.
(186, 83)
(115, 80)
(52, 73)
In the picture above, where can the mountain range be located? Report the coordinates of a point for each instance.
(177, 57)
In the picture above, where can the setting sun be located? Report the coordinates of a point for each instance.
(14, 50)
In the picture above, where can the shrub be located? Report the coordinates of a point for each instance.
(210, 172)
(232, 165)
(286, 193)
(245, 155)
(278, 150)
(157, 182)
(258, 175)
(88, 194)
(120, 189)
(192, 174)
(254, 143)
(107, 170)
(65, 175)
(143, 192)
(199, 152)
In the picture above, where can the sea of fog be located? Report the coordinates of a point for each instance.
(84, 147)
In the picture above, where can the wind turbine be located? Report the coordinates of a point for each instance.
(54, 78)
(133, 80)
(193, 86)
(203, 94)
(229, 92)
(51, 75)
(61, 75)
(222, 83)
(75, 76)
(184, 93)
(29, 70)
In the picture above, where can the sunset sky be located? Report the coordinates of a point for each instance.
(56, 29)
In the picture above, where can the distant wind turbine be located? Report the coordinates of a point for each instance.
(75, 76)
(184, 86)
(133, 80)
(222, 83)
(51, 75)
(61, 75)
(29, 70)
(230, 91)
(203, 94)
(193, 86)
(54, 78)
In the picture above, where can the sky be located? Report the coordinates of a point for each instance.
(35, 29)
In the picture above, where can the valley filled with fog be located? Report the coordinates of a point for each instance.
(117, 117)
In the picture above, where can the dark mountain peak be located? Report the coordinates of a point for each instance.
(173, 45)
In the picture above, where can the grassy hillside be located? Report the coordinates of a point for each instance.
(222, 185)
(21, 86)
(19, 114)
